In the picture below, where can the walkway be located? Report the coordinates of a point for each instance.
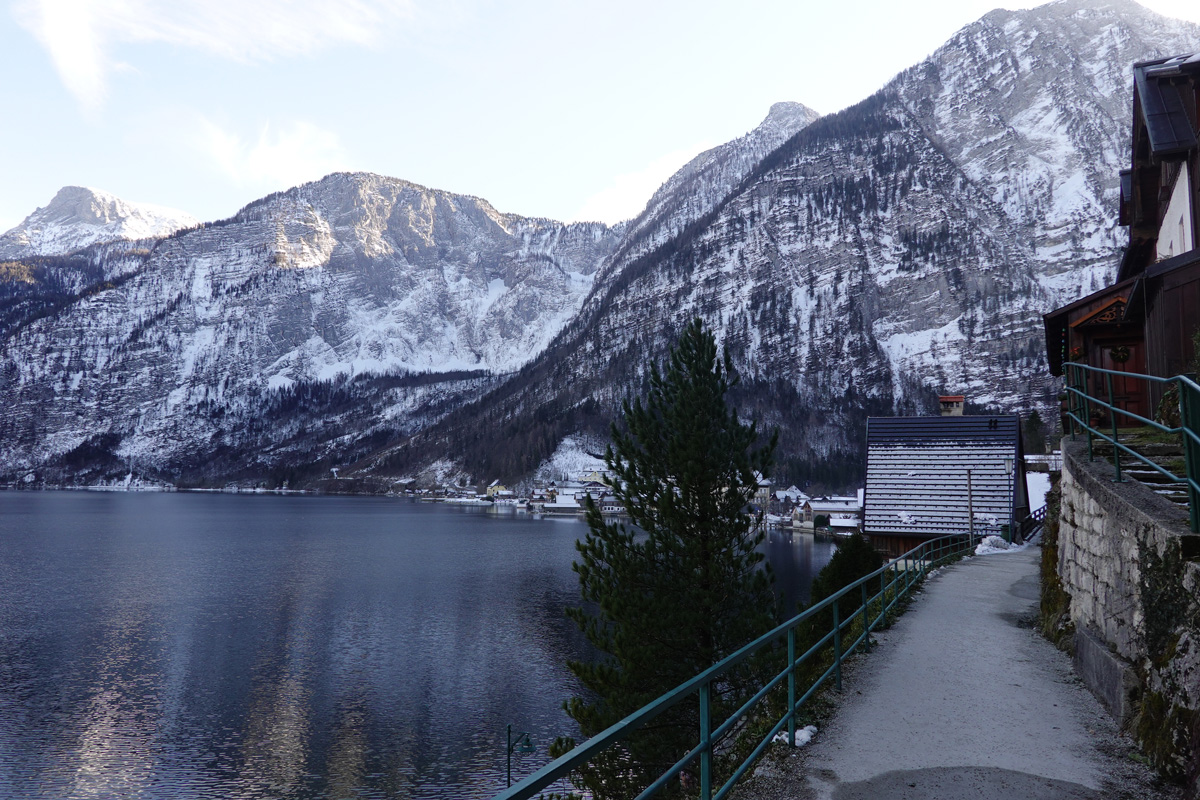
(963, 699)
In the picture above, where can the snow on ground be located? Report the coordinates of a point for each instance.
(996, 544)
(1037, 483)
(573, 456)
(803, 736)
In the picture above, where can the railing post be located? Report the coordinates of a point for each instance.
(837, 647)
(882, 596)
(1068, 385)
(866, 625)
(1189, 419)
(1112, 413)
(705, 742)
(1087, 412)
(792, 687)
(970, 508)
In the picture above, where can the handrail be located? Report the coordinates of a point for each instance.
(895, 580)
(1080, 403)
(1033, 523)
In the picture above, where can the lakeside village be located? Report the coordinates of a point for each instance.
(926, 476)
(780, 507)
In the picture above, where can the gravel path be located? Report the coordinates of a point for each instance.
(963, 699)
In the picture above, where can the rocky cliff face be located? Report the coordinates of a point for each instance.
(706, 180)
(198, 338)
(904, 247)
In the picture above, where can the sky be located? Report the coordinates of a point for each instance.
(555, 108)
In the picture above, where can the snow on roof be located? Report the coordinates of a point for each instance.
(917, 473)
(827, 504)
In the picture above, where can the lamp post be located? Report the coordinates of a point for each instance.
(970, 513)
(521, 744)
(1008, 470)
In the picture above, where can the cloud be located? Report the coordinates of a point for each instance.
(278, 158)
(81, 36)
(627, 194)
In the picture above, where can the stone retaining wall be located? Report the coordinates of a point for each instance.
(1132, 568)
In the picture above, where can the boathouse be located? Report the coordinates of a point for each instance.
(937, 476)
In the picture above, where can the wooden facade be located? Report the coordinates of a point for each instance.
(942, 476)
(1172, 297)
(1107, 330)
(1144, 322)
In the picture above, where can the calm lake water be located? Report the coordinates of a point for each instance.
(234, 646)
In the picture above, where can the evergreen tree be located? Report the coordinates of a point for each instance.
(671, 597)
(1035, 433)
(854, 558)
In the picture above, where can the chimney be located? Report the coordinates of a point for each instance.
(952, 405)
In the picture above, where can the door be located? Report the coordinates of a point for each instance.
(1128, 394)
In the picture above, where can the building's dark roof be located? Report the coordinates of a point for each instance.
(1056, 321)
(921, 430)
(1167, 121)
(1185, 259)
(917, 474)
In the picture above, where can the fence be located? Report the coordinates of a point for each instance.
(1082, 405)
(876, 596)
(1031, 525)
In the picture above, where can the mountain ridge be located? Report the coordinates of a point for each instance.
(976, 275)
(854, 264)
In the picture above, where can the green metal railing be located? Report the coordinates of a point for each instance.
(1082, 404)
(876, 596)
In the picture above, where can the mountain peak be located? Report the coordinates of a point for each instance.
(791, 111)
(79, 216)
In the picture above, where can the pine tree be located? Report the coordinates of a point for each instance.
(684, 588)
(1034, 433)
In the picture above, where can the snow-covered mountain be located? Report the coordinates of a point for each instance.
(78, 217)
(903, 247)
(707, 179)
(204, 333)
(313, 323)
(854, 264)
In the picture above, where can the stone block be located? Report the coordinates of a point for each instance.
(1108, 676)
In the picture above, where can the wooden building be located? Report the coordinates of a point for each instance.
(1144, 322)
(938, 476)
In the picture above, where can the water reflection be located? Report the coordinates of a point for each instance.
(201, 646)
(796, 558)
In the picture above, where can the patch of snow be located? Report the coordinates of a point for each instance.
(571, 458)
(803, 736)
(996, 544)
(1037, 484)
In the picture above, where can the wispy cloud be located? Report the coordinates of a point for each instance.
(82, 37)
(627, 194)
(277, 158)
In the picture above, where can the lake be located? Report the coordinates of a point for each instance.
(260, 646)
